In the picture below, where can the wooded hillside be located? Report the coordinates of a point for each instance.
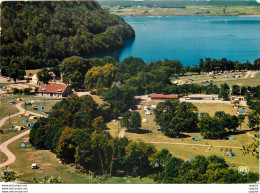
(39, 34)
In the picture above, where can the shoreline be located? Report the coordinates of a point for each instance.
(123, 16)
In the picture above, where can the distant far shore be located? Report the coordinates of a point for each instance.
(185, 11)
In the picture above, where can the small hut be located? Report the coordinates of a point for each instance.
(231, 154)
(196, 138)
(30, 124)
(23, 145)
(232, 138)
(24, 121)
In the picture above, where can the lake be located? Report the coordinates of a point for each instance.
(189, 38)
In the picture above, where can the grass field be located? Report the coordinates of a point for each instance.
(6, 108)
(240, 82)
(188, 10)
(16, 121)
(47, 103)
(220, 79)
(52, 167)
(150, 134)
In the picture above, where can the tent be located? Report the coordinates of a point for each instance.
(196, 138)
(19, 128)
(148, 112)
(145, 121)
(24, 121)
(241, 111)
(27, 114)
(28, 104)
(231, 154)
(23, 145)
(154, 106)
(40, 107)
(47, 112)
(33, 117)
(190, 160)
(31, 124)
(232, 138)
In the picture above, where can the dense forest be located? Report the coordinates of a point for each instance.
(41, 34)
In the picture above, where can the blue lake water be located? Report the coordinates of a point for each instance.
(189, 38)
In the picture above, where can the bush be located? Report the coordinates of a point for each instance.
(16, 91)
(27, 91)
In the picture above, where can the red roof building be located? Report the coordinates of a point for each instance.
(54, 90)
(163, 97)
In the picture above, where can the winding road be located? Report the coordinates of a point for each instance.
(3, 147)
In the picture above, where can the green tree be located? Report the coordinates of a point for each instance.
(68, 142)
(15, 72)
(73, 70)
(137, 158)
(224, 91)
(210, 127)
(43, 75)
(27, 91)
(241, 119)
(9, 176)
(135, 121)
(175, 117)
(253, 119)
(100, 77)
(161, 158)
(235, 90)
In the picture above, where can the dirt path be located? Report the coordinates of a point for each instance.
(3, 147)
(196, 145)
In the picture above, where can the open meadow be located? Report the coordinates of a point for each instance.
(244, 80)
(186, 148)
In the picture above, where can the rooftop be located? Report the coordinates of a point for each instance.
(162, 96)
(52, 88)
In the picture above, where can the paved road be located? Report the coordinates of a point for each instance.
(196, 145)
(7, 152)
(21, 110)
(3, 147)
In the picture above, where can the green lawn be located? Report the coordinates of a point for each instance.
(6, 108)
(51, 167)
(189, 151)
(199, 79)
(16, 121)
(47, 103)
(240, 82)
